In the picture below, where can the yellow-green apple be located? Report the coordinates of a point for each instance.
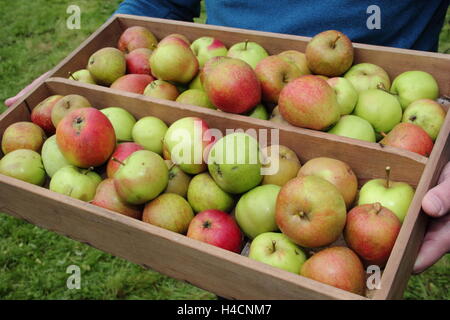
(371, 231)
(82, 75)
(414, 85)
(122, 122)
(346, 94)
(74, 182)
(173, 60)
(426, 113)
(169, 211)
(298, 59)
(310, 211)
(149, 132)
(136, 37)
(309, 102)
(255, 210)
(138, 61)
(339, 267)
(207, 47)
(195, 97)
(217, 228)
(162, 90)
(274, 73)
(177, 36)
(66, 105)
(122, 151)
(380, 108)
(276, 117)
(250, 52)
(277, 250)
(329, 53)
(355, 127)
(187, 142)
(25, 165)
(288, 164)
(107, 65)
(178, 180)
(23, 135)
(396, 196)
(259, 112)
(80, 140)
(365, 76)
(231, 84)
(336, 172)
(135, 83)
(410, 137)
(234, 162)
(204, 194)
(196, 83)
(52, 158)
(142, 176)
(106, 197)
(42, 114)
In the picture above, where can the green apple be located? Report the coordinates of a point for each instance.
(178, 180)
(52, 157)
(276, 117)
(82, 75)
(396, 196)
(427, 114)
(346, 94)
(107, 65)
(196, 83)
(207, 47)
(414, 85)
(74, 182)
(366, 76)
(162, 90)
(277, 250)
(259, 112)
(250, 52)
(149, 132)
(25, 165)
(355, 127)
(195, 97)
(255, 210)
(141, 177)
(234, 162)
(204, 194)
(380, 108)
(122, 121)
(285, 164)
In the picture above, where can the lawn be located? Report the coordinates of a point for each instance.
(33, 261)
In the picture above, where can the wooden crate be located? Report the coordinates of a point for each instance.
(225, 273)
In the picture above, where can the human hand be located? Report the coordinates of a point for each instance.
(436, 204)
(9, 102)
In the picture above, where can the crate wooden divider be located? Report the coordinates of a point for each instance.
(225, 273)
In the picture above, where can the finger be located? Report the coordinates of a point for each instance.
(436, 202)
(9, 102)
(436, 243)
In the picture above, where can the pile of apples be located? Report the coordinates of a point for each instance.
(320, 89)
(189, 179)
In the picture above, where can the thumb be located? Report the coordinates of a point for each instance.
(436, 202)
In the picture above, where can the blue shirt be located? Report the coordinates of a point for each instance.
(412, 24)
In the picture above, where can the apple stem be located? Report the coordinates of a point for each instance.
(388, 175)
(274, 245)
(245, 45)
(333, 44)
(380, 86)
(71, 76)
(85, 172)
(383, 134)
(377, 207)
(117, 160)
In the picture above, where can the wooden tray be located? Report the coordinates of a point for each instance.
(227, 274)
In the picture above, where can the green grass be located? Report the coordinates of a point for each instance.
(33, 261)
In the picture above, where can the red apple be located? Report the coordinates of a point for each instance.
(135, 83)
(371, 231)
(121, 152)
(231, 84)
(336, 266)
(409, 136)
(309, 102)
(23, 135)
(86, 137)
(42, 114)
(136, 37)
(106, 197)
(274, 73)
(138, 61)
(217, 228)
